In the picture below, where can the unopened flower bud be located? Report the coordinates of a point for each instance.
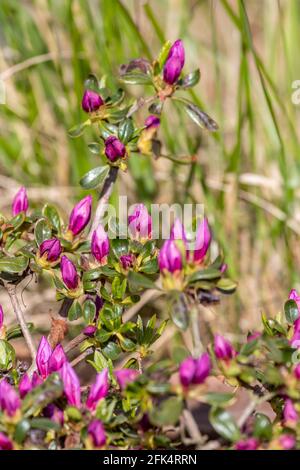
(125, 377)
(69, 273)
(174, 63)
(194, 371)
(97, 433)
(90, 331)
(287, 441)
(20, 202)
(170, 257)
(152, 121)
(80, 215)
(42, 357)
(127, 261)
(247, 444)
(9, 399)
(290, 415)
(51, 249)
(25, 385)
(91, 101)
(140, 223)
(114, 148)
(98, 390)
(100, 244)
(5, 442)
(57, 359)
(223, 348)
(71, 384)
(203, 239)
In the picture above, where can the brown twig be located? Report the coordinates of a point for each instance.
(12, 293)
(74, 342)
(81, 357)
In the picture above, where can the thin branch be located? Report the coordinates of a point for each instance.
(81, 357)
(12, 293)
(75, 342)
(195, 327)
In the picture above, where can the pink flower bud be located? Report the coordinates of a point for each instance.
(127, 261)
(290, 414)
(194, 371)
(170, 257)
(1, 316)
(90, 331)
(247, 444)
(25, 385)
(174, 63)
(97, 433)
(253, 336)
(42, 357)
(36, 380)
(9, 399)
(100, 244)
(293, 295)
(20, 202)
(98, 390)
(69, 273)
(125, 377)
(5, 442)
(203, 239)
(114, 148)
(140, 223)
(57, 359)
(71, 384)
(223, 348)
(287, 441)
(52, 249)
(152, 121)
(178, 232)
(91, 101)
(80, 215)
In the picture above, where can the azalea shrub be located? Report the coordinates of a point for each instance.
(135, 399)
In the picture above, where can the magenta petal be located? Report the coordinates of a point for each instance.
(42, 357)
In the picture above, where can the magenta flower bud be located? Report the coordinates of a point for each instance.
(152, 121)
(253, 336)
(127, 261)
(125, 377)
(97, 433)
(20, 202)
(1, 316)
(5, 442)
(36, 380)
(194, 371)
(174, 63)
(98, 390)
(114, 148)
(170, 257)
(69, 273)
(297, 371)
(203, 239)
(80, 215)
(290, 414)
(71, 384)
(223, 348)
(9, 399)
(90, 331)
(178, 232)
(293, 295)
(91, 101)
(52, 249)
(57, 359)
(247, 444)
(187, 371)
(100, 244)
(42, 357)
(287, 441)
(25, 385)
(295, 341)
(140, 222)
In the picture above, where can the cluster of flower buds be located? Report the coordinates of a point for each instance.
(174, 63)
(194, 371)
(91, 101)
(20, 202)
(49, 361)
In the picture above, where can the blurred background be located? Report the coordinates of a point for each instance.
(247, 174)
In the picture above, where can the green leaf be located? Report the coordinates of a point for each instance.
(262, 427)
(93, 178)
(15, 331)
(44, 424)
(100, 362)
(127, 344)
(163, 54)
(198, 116)
(42, 231)
(218, 399)
(179, 312)
(136, 78)
(77, 131)
(117, 98)
(15, 265)
(89, 311)
(95, 148)
(224, 424)
(226, 285)
(138, 281)
(126, 130)
(75, 311)
(190, 80)
(291, 311)
(52, 215)
(7, 355)
(18, 220)
(204, 274)
(21, 430)
(112, 351)
(167, 413)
